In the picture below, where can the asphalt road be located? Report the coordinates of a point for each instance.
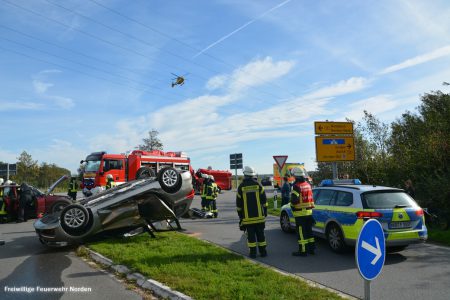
(26, 263)
(419, 272)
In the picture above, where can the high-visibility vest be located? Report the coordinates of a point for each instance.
(302, 201)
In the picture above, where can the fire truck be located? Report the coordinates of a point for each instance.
(125, 167)
(222, 179)
(286, 171)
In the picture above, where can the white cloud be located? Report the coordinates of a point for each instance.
(420, 59)
(41, 87)
(10, 106)
(375, 105)
(216, 82)
(350, 85)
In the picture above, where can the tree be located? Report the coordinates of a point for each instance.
(152, 142)
(27, 169)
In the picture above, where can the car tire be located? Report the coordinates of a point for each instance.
(335, 238)
(74, 219)
(58, 206)
(285, 222)
(169, 179)
(143, 173)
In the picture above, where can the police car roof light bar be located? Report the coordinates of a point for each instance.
(330, 182)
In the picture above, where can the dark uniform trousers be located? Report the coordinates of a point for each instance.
(256, 237)
(305, 235)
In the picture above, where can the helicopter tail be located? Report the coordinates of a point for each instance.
(173, 84)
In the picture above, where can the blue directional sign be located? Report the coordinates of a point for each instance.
(370, 250)
(333, 141)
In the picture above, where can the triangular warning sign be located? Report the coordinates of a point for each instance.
(280, 160)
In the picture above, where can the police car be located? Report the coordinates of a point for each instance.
(342, 207)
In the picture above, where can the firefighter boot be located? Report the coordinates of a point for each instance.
(252, 252)
(262, 251)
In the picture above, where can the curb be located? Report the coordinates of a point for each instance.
(157, 288)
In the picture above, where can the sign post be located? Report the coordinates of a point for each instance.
(8, 169)
(370, 252)
(236, 163)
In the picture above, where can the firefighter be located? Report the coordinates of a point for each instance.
(73, 188)
(251, 206)
(203, 192)
(211, 196)
(25, 198)
(3, 213)
(110, 181)
(302, 204)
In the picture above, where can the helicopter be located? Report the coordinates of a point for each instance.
(178, 80)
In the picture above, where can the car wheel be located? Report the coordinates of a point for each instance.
(58, 206)
(335, 238)
(74, 219)
(169, 179)
(285, 223)
(145, 173)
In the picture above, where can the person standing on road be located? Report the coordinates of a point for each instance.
(251, 206)
(211, 195)
(110, 181)
(285, 191)
(410, 189)
(26, 197)
(3, 212)
(302, 204)
(203, 192)
(73, 188)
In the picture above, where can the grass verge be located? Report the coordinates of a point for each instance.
(439, 236)
(204, 271)
(270, 209)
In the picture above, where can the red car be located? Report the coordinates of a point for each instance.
(42, 202)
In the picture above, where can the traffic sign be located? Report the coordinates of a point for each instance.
(335, 148)
(370, 249)
(280, 160)
(8, 169)
(333, 127)
(236, 161)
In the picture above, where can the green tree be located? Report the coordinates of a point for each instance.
(27, 169)
(152, 142)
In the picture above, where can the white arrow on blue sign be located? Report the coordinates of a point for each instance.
(370, 250)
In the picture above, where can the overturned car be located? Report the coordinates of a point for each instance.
(134, 204)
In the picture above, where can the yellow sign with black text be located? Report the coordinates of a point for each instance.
(333, 127)
(335, 148)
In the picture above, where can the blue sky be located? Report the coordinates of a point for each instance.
(91, 75)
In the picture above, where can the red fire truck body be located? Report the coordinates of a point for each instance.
(222, 178)
(126, 167)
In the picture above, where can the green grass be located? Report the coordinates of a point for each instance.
(439, 236)
(271, 210)
(202, 270)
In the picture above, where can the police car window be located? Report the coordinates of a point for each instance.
(324, 197)
(343, 199)
(387, 199)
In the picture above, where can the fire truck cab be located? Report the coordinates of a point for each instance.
(126, 167)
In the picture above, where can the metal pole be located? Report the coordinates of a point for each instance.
(235, 176)
(366, 289)
(7, 171)
(335, 170)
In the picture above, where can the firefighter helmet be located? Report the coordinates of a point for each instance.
(298, 172)
(1, 180)
(249, 171)
(211, 177)
(109, 176)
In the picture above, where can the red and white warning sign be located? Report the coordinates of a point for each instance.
(280, 160)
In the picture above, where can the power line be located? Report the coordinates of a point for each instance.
(184, 43)
(148, 44)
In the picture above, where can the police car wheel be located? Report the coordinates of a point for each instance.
(169, 179)
(335, 238)
(285, 222)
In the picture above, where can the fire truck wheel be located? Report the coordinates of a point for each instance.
(169, 179)
(145, 173)
(74, 219)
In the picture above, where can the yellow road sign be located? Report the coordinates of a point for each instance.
(335, 148)
(333, 128)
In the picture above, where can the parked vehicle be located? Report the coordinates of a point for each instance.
(126, 167)
(42, 202)
(267, 181)
(137, 203)
(222, 179)
(286, 171)
(342, 207)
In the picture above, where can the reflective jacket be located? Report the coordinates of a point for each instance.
(110, 184)
(73, 186)
(302, 201)
(211, 191)
(251, 202)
